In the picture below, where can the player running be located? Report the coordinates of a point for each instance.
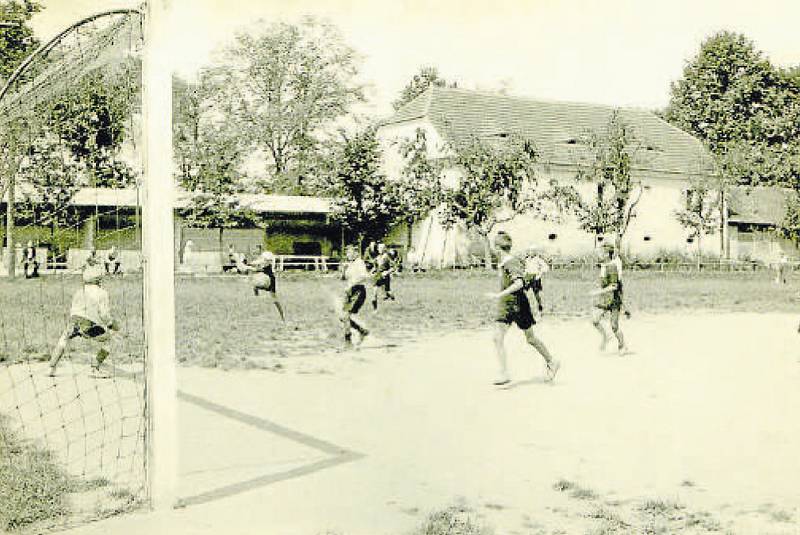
(513, 307)
(382, 276)
(609, 298)
(265, 281)
(90, 318)
(355, 275)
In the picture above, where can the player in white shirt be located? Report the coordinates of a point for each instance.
(355, 274)
(90, 318)
(535, 268)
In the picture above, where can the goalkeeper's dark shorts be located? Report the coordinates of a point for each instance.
(84, 328)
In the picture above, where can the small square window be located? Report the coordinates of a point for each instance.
(552, 236)
(689, 240)
(647, 238)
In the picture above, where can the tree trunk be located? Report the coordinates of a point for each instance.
(699, 250)
(11, 255)
(409, 233)
(487, 253)
(724, 251)
(221, 248)
(89, 231)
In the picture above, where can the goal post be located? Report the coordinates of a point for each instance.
(158, 251)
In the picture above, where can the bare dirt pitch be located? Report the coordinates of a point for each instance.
(697, 432)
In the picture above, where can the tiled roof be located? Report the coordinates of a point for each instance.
(555, 127)
(757, 205)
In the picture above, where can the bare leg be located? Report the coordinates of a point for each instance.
(58, 350)
(500, 330)
(597, 317)
(617, 331)
(278, 307)
(536, 342)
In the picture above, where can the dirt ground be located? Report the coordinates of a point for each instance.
(696, 432)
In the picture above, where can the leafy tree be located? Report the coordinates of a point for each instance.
(608, 167)
(418, 190)
(699, 215)
(93, 121)
(362, 199)
(498, 183)
(790, 225)
(209, 151)
(288, 83)
(734, 100)
(16, 36)
(427, 76)
(54, 178)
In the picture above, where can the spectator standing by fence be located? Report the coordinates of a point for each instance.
(29, 262)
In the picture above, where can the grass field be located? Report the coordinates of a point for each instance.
(696, 432)
(221, 324)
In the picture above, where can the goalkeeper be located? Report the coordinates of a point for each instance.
(90, 319)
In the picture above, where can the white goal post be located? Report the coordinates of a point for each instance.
(158, 249)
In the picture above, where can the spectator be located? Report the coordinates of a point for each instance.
(29, 262)
(112, 261)
(233, 260)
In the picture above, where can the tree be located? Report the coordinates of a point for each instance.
(93, 121)
(790, 225)
(54, 179)
(418, 189)
(209, 150)
(498, 183)
(699, 215)
(16, 36)
(362, 199)
(288, 83)
(734, 100)
(608, 167)
(427, 76)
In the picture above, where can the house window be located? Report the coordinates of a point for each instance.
(600, 239)
(689, 240)
(552, 236)
(647, 238)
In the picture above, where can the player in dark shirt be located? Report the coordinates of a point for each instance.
(609, 299)
(513, 307)
(382, 276)
(265, 281)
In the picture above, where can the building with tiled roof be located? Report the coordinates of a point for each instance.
(664, 160)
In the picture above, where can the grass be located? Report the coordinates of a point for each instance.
(454, 520)
(220, 324)
(33, 488)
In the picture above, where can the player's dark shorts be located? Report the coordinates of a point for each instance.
(265, 281)
(516, 311)
(354, 298)
(84, 328)
(611, 303)
(384, 282)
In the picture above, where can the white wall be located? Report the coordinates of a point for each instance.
(654, 215)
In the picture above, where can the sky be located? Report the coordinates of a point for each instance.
(616, 52)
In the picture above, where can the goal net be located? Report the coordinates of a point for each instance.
(73, 410)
